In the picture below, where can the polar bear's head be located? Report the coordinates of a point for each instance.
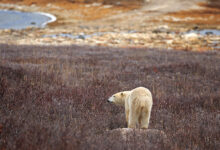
(118, 98)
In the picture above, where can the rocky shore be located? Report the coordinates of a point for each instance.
(118, 26)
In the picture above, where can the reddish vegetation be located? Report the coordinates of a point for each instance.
(212, 3)
(86, 13)
(208, 15)
(55, 97)
(43, 2)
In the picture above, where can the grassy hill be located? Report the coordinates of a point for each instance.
(56, 97)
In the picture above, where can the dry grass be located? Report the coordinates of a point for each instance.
(55, 97)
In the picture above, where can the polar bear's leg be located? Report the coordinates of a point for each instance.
(127, 115)
(133, 118)
(145, 118)
(126, 111)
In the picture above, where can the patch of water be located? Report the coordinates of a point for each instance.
(21, 20)
(206, 32)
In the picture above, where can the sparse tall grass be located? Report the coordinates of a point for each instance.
(55, 97)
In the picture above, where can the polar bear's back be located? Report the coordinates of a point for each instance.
(141, 96)
(141, 91)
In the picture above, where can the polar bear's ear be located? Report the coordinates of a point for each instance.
(122, 94)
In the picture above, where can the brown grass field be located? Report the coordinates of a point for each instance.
(56, 97)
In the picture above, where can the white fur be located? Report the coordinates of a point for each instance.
(111, 99)
(138, 103)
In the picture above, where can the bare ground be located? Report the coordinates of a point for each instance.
(154, 24)
(54, 97)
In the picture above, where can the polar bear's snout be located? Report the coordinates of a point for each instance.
(110, 100)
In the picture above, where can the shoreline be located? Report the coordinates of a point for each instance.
(51, 16)
(149, 33)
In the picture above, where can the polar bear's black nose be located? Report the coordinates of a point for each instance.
(108, 101)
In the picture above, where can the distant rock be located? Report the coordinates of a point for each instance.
(96, 4)
(195, 28)
(161, 29)
(107, 6)
(82, 37)
(191, 36)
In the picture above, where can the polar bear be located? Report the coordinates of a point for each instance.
(138, 103)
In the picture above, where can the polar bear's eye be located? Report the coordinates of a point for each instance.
(114, 96)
